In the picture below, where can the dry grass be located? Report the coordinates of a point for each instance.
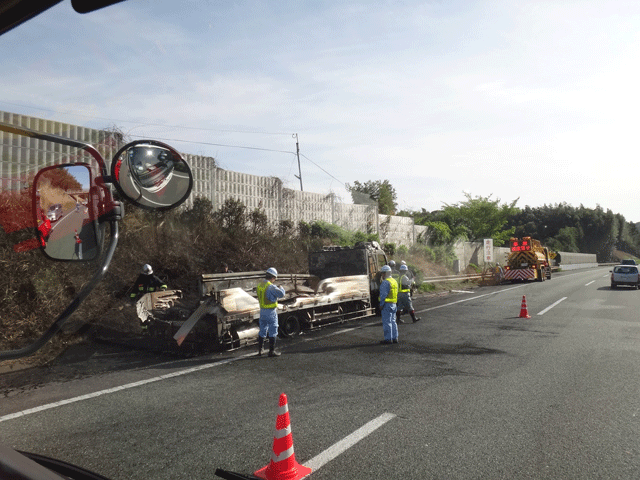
(179, 246)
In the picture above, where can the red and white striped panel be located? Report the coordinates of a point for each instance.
(520, 274)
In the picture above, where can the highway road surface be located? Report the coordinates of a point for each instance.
(470, 392)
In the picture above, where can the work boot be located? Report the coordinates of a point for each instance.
(413, 317)
(260, 345)
(272, 347)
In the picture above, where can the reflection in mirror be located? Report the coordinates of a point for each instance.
(151, 175)
(64, 213)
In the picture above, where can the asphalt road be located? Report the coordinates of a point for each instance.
(470, 392)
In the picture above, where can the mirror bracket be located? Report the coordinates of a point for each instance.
(115, 213)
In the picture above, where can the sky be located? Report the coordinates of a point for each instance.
(530, 100)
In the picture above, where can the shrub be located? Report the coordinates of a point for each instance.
(389, 249)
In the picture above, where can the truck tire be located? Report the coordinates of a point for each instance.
(290, 326)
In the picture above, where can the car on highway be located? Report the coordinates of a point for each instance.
(54, 212)
(625, 275)
(628, 261)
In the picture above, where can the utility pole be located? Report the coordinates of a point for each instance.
(299, 177)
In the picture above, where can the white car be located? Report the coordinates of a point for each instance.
(625, 275)
(55, 212)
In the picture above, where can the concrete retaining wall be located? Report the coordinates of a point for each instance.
(399, 230)
(21, 157)
(472, 252)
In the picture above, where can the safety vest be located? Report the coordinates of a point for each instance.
(392, 296)
(261, 290)
(403, 290)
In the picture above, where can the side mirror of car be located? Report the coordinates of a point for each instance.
(72, 203)
(151, 175)
(64, 212)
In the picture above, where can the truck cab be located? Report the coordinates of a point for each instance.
(365, 258)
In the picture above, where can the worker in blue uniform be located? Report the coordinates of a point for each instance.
(268, 295)
(405, 305)
(394, 273)
(388, 300)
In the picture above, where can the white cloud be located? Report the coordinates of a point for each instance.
(535, 100)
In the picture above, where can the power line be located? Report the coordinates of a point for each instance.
(215, 144)
(341, 182)
(185, 128)
(247, 148)
(144, 124)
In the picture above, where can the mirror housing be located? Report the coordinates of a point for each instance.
(151, 175)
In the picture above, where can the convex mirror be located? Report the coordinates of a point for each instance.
(64, 214)
(151, 175)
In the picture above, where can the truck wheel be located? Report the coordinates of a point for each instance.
(290, 326)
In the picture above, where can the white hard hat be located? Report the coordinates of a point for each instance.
(403, 267)
(272, 271)
(146, 269)
(403, 262)
(385, 268)
(392, 263)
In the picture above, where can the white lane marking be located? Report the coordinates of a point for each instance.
(347, 442)
(551, 306)
(587, 284)
(468, 299)
(67, 401)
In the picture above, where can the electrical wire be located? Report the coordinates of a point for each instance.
(338, 180)
(143, 124)
(186, 128)
(214, 144)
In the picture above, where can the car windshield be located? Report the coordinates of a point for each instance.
(625, 270)
(298, 135)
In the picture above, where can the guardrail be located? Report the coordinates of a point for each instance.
(472, 276)
(449, 278)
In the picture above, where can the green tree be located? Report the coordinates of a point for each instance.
(481, 217)
(566, 241)
(379, 192)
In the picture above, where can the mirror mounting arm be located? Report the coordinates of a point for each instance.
(114, 212)
(86, 290)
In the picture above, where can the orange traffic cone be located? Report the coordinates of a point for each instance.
(283, 465)
(524, 313)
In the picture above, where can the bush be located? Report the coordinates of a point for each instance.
(423, 251)
(426, 288)
(389, 249)
(444, 255)
(179, 244)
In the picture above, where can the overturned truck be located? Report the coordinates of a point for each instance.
(342, 284)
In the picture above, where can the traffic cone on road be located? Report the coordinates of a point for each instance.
(524, 313)
(283, 465)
